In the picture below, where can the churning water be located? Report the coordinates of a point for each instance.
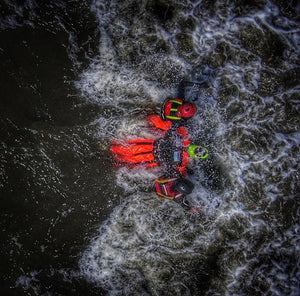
(77, 75)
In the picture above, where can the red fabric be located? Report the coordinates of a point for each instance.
(166, 124)
(167, 108)
(187, 110)
(159, 123)
(140, 151)
(163, 188)
(185, 160)
(186, 143)
(182, 130)
(134, 152)
(168, 105)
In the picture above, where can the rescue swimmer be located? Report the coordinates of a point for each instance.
(176, 189)
(171, 152)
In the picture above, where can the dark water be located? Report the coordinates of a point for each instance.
(76, 75)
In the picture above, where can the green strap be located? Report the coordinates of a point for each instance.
(176, 102)
(173, 117)
(174, 110)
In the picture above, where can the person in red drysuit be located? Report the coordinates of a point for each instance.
(176, 189)
(168, 151)
(171, 151)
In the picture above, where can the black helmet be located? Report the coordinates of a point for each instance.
(183, 186)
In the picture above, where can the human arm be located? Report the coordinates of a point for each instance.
(156, 121)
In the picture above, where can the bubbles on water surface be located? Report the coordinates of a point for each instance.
(143, 251)
(150, 245)
(245, 239)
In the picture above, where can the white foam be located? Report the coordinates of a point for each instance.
(142, 239)
(28, 282)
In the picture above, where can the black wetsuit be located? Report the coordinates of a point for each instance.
(169, 151)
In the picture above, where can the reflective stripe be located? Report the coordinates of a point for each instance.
(173, 117)
(165, 180)
(174, 104)
(177, 102)
(173, 110)
(165, 196)
(162, 188)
